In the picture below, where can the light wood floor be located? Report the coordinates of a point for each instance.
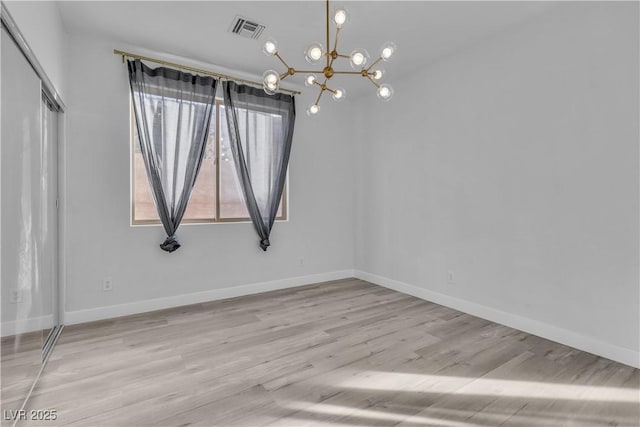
(342, 353)
(20, 363)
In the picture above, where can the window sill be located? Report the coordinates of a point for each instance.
(187, 224)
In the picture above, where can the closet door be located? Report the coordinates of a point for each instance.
(20, 226)
(49, 190)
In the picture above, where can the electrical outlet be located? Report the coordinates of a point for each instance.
(451, 277)
(107, 284)
(15, 296)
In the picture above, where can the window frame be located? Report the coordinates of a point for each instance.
(194, 221)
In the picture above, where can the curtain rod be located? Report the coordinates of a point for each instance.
(195, 70)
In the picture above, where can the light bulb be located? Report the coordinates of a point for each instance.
(359, 58)
(314, 52)
(377, 74)
(385, 92)
(310, 80)
(271, 79)
(313, 110)
(387, 50)
(270, 82)
(340, 17)
(270, 47)
(339, 94)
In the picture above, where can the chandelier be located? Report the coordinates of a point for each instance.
(314, 54)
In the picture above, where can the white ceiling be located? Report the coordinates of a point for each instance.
(423, 31)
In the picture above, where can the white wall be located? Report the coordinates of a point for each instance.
(100, 242)
(41, 25)
(514, 164)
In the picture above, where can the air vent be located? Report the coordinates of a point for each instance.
(246, 27)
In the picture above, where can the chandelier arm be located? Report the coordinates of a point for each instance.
(284, 75)
(331, 90)
(348, 72)
(319, 96)
(277, 55)
(335, 46)
(373, 81)
(335, 42)
(308, 71)
(374, 63)
(327, 33)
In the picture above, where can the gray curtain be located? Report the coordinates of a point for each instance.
(261, 131)
(173, 113)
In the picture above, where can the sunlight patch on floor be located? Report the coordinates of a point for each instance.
(406, 382)
(347, 411)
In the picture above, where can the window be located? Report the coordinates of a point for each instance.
(217, 195)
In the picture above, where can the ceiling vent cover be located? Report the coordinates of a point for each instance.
(246, 27)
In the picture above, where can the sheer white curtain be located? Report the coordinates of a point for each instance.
(173, 114)
(261, 132)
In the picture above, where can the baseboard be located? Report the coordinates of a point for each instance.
(564, 336)
(23, 326)
(109, 312)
